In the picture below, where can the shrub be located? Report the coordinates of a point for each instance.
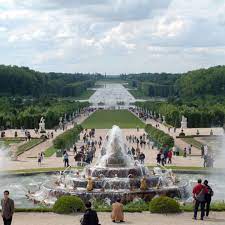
(68, 204)
(67, 139)
(164, 205)
(159, 136)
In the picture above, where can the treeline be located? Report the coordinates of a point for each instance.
(22, 81)
(18, 112)
(201, 115)
(193, 84)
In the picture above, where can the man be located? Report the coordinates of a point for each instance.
(199, 192)
(90, 216)
(208, 197)
(117, 211)
(142, 158)
(7, 208)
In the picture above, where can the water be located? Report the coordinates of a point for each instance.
(111, 95)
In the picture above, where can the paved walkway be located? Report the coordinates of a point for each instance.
(144, 218)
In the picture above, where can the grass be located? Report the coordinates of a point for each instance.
(105, 119)
(85, 95)
(28, 145)
(194, 168)
(8, 141)
(37, 170)
(192, 141)
(138, 95)
(50, 151)
(218, 206)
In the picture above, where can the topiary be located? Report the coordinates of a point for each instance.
(164, 204)
(68, 204)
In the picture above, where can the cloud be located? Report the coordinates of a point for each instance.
(112, 35)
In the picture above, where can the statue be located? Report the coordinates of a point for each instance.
(60, 123)
(144, 185)
(42, 125)
(184, 122)
(163, 119)
(90, 184)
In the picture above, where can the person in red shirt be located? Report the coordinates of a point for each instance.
(199, 192)
(169, 155)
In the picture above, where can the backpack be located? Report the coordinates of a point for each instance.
(201, 195)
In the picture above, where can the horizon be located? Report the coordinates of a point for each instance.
(113, 37)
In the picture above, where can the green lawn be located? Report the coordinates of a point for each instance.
(192, 141)
(50, 151)
(8, 141)
(85, 95)
(107, 118)
(28, 145)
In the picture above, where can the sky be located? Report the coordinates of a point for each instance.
(112, 36)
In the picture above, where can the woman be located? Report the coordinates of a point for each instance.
(117, 211)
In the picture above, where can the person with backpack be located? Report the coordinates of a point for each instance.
(90, 216)
(199, 192)
(208, 197)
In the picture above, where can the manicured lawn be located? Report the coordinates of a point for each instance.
(107, 118)
(50, 151)
(85, 95)
(8, 141)
(192, 141)
(28, 145)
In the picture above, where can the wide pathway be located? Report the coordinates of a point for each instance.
(144, 218)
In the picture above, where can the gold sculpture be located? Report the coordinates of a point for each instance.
(90, 184)
(144, 185)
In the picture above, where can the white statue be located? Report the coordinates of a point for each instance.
(42, 125)
(184, 122)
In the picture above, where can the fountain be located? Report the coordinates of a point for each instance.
(115, 174)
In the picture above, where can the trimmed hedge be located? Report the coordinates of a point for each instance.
(68, 138)
(68, 204)
(164, 205)
(161, 137)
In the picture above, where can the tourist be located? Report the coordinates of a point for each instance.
(142, 157)
(90, 216)
(39, 159)
(117, 212)
(7, 208)
(189, 149)
(199, 192)
(66, 159)
(185, 152)
(202, 151)
(158, 158)
(208, 197)
(169, 155)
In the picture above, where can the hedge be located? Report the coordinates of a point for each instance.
(68, 138)
(68, 204)
(164, 205)
(159, 136)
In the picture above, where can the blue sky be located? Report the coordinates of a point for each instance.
(112, 36)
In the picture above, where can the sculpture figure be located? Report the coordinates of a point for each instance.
(90, 184)
(144, 185)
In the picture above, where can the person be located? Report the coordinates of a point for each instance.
(117, 212)
(208, 196)
(185, 152)
(199, 192)
(142, 158)
(169, 155)
(66, 159)
(7, 208)
(90, 216)
(202, 151)
(189, 149)
(39, 159)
